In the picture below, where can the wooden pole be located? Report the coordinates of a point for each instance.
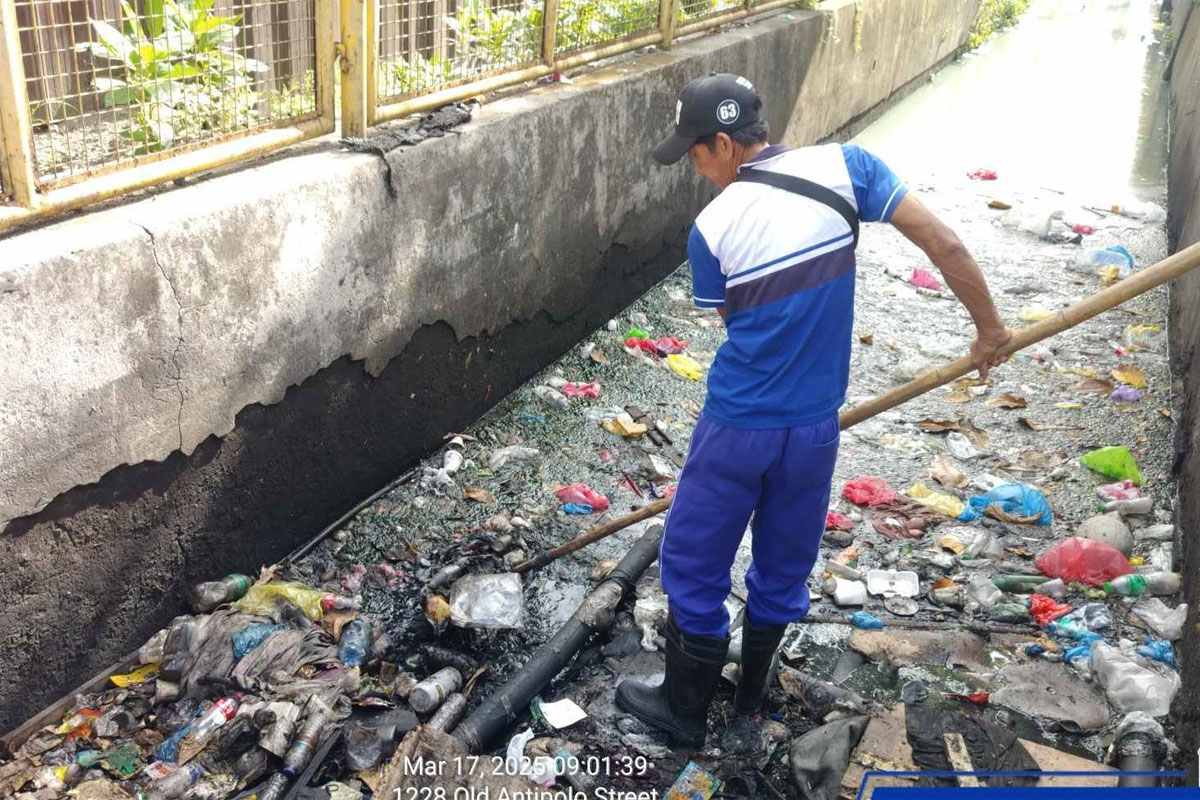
(1164, 271)
(16, 134)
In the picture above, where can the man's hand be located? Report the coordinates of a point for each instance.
(983, 349)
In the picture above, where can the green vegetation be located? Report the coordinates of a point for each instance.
(995, 15)
(180, 73)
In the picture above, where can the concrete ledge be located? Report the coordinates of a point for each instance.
(197, 381)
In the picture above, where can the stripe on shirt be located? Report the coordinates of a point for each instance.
(797, 278)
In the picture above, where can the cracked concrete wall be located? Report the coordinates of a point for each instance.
(197, 381)
(1183, 229)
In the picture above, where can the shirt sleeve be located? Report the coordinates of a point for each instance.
(876, 188)
(708, 282)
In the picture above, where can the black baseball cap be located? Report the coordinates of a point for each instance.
(712, 104)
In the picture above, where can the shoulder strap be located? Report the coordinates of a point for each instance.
(806, 188)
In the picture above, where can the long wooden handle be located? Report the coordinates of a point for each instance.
(1139, 283)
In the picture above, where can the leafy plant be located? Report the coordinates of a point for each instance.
(581, 24)
(995, 15)
(414, 75)
(487, 37)
(179, 72)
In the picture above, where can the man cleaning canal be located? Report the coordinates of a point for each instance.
(773, 253)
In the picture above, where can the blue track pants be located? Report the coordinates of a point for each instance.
(781, 476)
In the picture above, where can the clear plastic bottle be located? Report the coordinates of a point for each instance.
(221, 712)
(1156, 583)
(176, 784)
(354, 642)
(207, 596)
(551, 397)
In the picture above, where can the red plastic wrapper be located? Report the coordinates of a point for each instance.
(1084, 229)
(982, 175)
(978, 698)
(838, 522)
(591, 390)
(1044, 610)
(668, 345)
(924, 279)
(868, 491)
(582, 494)
(634, 343)
(1077, 560)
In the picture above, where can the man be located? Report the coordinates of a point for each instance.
(775, 257)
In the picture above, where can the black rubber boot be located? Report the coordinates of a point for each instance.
(679, 705)
(758, 663)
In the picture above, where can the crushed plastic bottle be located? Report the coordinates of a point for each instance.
(1155, 583)
(1140, 505)
(354, 642)
(176, 784)
(207, 596)
(551, 397)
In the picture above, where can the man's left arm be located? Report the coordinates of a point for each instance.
(962, 274)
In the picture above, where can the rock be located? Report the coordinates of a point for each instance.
(1107, 529)
(1046, 691)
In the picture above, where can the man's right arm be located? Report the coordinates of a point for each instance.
(962, 274)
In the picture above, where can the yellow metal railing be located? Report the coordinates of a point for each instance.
(97, 99)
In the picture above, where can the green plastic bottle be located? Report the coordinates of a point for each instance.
(1019, 584)
(1128, 585)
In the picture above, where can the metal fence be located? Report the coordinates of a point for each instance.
(101, 97)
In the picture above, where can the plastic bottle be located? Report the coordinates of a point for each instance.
(1156, 583)
(844, 592)
(1018, 584)
(364, 748)
(221, 712)
(176, 784)
(333, 602)
(1141, 505)
(429, 693)
(840, 570)
(354, 642)
(177, 650)
(551, 397)
(1055, 588)
(452, 459)
(207, 596)
(1009, 612)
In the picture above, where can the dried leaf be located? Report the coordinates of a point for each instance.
(598, 356)
(976, 435)
(946, 583)
(1166, 412)
(1020, 550)
(967, 383)
(1032, 424)
(478, 495)
(1033, 460)
(1131, 374)
(958, 396)
(938, 425)
(953, 544)
(1095, 386)
(946, 472)
(999, 205)
(866, 338)
(1008, 400)
(1082, 372)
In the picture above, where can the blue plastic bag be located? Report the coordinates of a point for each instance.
(1159, 650)
(577, 508)
(866, 621)
(1014, 499)
(251, 637)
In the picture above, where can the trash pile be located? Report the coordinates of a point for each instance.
(996, 590)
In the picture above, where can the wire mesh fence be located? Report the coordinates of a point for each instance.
(586, 24)
(110, 83)
(428, 44)
(696, 10)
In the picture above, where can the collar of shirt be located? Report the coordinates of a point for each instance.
(769, 152)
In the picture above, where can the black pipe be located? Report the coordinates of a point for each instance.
(595, 613)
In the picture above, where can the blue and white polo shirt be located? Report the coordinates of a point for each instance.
(782, 265)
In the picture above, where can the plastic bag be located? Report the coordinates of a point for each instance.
(865, 620)
(1166, 622)
(1113, 462)
(1159, 650)
(1012, 502)
(1077, 560)
(1121, 490)
(685, 365)
(491, 602)
(924, 279)
(669, 345)
(581, 494)
(1044, 610)
(838, 522)
(514, 452)
(589, 390)
(868, 491)
(1125, 394)
(946, 504)
(1131, 686)
(260, 599)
